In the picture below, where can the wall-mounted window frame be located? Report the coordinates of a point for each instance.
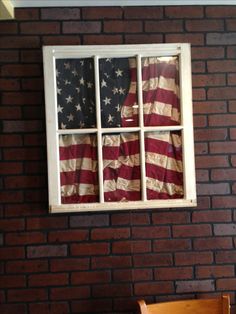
(96, 53)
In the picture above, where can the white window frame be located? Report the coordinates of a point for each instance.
(50, 54)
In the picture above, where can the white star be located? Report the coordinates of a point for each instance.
(67, 82)
(115, 90)
(103, 83)
(107, 76)
(69, 99)
(89, 85)
(57, 73)
(81, 124)
(78, 107)
(122, 91)
(70, 117)
(84, 100)
(78, 90)
(59, 91)
(67, 65)
(81, 81)
(118, 108)
(74, 72)
(119, 72)
(108, 60)
(110, 119)
(82, 63)
(107, 101)
(59, 109)
(63, 126)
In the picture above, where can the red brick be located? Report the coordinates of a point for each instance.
(61, 40)
(214, 243)
(220, 11)
(198, 67)
(223, 174)
(12, 281)
(31, 56)
(157, 259)
(124, 247)
(95, 220)
(102, 39)
(25, 295)
(12, 253)
(33, 112)
(143, 12)
(213, 189)
(26, 42)
(212, 216)
(142, 274)
(202, 175)
(37, 195)
(209, 80)
(144, 39)
(130, 219)
(200, 121)
(69, 264)
(214, 271)
(32, 84)
(9, 56)
(233, 161)
(193, 258)
(111, 262)
(25, 238)
(21, 70)
(222, 147)
(221, 66)
(81, 27)
(26, 266)
(31, 167)
(13, 308)
(186, 231)
(171, 245)
(46, 251)
(150, 232)
(44, 280)
(34, 139)
(85, 278)
(194, 286)
(173, 273)
(225, 229)
(232, 106)
(231, 79)
(122, 27)
(207, 53)
(12, 224)
(9, 84)
(91, 306)
(210, 134)
(226, 284)
(153, 288)
(40, 28)
(221, 38)
(49, 308)
(201, 148)
(11, 168)
(27, 14)
(22, 98)
(60, 14)
(226, 257)
(164, 26)
(90, 249)
(199, 94)
(11, 196)
(14, 182)
(69, 293)
(203, 202)
(184, 11)
(99, 13)
(221, 93)
(110, 233)
(176, 217)
(223, 202)
(112, 290)
(8, 28)
(46, 223)
(231, 52)
(203, 25)
(222, 120)
(193, 38)
(68, 236)
(17, 210)
(9, 140)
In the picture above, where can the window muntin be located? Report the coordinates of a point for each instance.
(122, 137)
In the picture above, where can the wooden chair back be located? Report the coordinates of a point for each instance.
(219, 305)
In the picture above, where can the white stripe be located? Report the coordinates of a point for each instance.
(164, 162)
(77, 139)
(121, 184)
(78, 164)
(164, 187)
(79, 189)
(162, 83)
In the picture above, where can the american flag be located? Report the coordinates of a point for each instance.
(119, 108)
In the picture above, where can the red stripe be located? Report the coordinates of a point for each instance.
(158, 120)
(163, 148)
(154, 70)
(161, 95)
(79, 176)
(78, 151)
(153, 195)
(125, 172)
(164, 175)
(125, 149)
(79, 199)
(120, 195)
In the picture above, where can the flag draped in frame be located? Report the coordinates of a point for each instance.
(119, 108)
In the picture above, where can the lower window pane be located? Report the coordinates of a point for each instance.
(164, 168)
(78, 168)
(121, 167)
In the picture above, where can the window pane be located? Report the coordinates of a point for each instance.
(121, 167)
(75, 93)
(118, 90)
(78, 168)
(160, 86)
(164, 169)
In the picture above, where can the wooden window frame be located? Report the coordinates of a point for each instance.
(182, 50)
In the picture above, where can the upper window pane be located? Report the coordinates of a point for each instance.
(75, 93)
(160, 87)
(118, 92)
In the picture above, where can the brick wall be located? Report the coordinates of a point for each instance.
(103, 262)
